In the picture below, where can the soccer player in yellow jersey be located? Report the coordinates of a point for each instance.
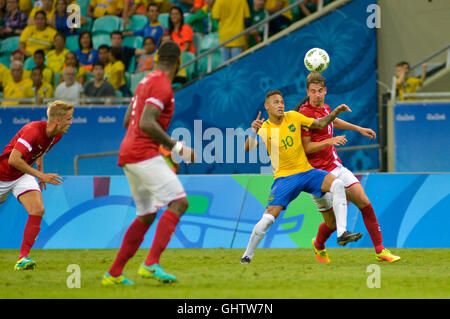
(281, 134)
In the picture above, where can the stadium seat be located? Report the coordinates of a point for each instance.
(29, 63)
(135, 79)
(164, 19)
(88, 25)
(83, 6)
(106, 24)
(5, 60)
(118, 93)
(133, 41)
(190, 69)
(101, 38)
(9, 45)
(209, 41)
(132, 65)
(137, 22)
(72, 42)
(197, 41)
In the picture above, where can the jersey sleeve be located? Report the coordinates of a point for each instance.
(26, 141)
(160, 97)
(309, 114)
(262, 132)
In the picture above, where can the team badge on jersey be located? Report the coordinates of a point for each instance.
(292, 128)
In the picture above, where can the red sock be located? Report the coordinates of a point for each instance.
(130, 244)
(323, 234)
(30, 234)
(371, 222)
(164, 231)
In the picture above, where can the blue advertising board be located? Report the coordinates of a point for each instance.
(422, 137)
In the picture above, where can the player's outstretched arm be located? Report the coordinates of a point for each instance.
(149, 124)
(252, 141)
(344, 125)
(126, 119)
(16, 161)
(312, 147)
(323, 122)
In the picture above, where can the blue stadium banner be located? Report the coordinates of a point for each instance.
(422, 135)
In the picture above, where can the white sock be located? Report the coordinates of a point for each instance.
(258, 233)
(339, 205)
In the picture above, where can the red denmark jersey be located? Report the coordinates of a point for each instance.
(32, 141)
(327, 158)
(155, 90)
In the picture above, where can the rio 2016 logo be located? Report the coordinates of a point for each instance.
(74, 18)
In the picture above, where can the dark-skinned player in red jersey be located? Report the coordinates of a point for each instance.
(152, 182)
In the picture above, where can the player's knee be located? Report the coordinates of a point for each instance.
(180, 206)
(337, 186)
(37, 210)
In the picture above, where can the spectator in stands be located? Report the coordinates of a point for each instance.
(184, 5)
(39, 61)
(40, 89)
(198, 4)
(2, 13)
(56, 57)
(146, 61)
(258, 14)
(69, 90)
(47, 7)
(201, 20)
(282, 21)
(164, 5)
(15, 89)
(98, 86)
(103, 54)
(14, 20)
(86, 54)
(37, 36)
(132, 7)
(59, 19)
(153, 29)
(181, 32)
(71, 60)
(115, 71)
(181, 76)
(26, 5)
(307, 8)
(100, 8)
(231, 15)
(405, 83)
(127, 52)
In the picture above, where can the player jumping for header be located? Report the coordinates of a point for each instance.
(281, 133)
(319, 147)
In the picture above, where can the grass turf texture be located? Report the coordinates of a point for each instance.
(217, 273)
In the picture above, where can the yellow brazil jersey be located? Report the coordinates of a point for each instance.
(15, 90)
(106, 7)
(45, 91)
(56, 61)
(112, 71)
(36, 39)
(272, 3)
(409, 86)
(284, 144)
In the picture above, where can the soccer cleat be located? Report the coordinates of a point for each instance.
(321, 255)
(386, 255)
(245, 260)
(25, 263)
(155, 271)
(109, 280)
(348, 237)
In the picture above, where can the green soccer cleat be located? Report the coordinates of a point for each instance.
(155, 271)
(386, 255)
(109, 280)
(25, 263)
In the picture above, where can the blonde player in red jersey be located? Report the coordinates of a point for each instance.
(319, 147)
(17, 174)
(153, 184)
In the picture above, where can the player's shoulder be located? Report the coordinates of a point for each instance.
(306, 109)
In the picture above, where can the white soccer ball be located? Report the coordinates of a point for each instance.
(317, 60)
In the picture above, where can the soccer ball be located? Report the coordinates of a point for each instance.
(317, 60)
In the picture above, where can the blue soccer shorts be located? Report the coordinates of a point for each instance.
(285, 189)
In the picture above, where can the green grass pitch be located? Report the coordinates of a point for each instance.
(217, 274)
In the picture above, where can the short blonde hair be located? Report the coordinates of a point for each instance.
(57, 109)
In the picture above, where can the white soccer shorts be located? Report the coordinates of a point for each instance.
(153, 185)
(22, 185)
(325, 202)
